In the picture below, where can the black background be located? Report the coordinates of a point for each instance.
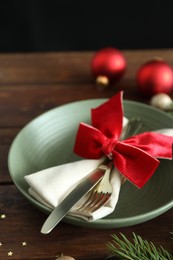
(27, 26)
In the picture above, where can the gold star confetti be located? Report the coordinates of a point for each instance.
(10, 253)
(3, 216)
(24, 243)
(0, 244)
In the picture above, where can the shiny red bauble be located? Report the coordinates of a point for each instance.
(154, 77)
(108, 65)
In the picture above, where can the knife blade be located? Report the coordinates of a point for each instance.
(72, 198)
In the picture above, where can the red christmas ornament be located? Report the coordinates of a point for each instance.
(108, 65)
(154, 77)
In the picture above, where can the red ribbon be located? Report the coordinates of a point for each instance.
(134, 157)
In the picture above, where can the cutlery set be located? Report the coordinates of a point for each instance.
(96, 185)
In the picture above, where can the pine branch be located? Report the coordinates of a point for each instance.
(139, 249)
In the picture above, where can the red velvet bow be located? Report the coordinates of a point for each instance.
(134, 157)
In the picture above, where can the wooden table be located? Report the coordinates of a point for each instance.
(31, 84)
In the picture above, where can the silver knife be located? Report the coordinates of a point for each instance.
(72, 198)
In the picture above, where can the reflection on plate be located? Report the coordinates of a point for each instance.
(48, 141)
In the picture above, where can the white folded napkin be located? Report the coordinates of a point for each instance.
(50, 186)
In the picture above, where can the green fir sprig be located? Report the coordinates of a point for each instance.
(139, 249)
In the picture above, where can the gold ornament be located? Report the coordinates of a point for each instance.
(3, 216)
(10, 253)
(24, 243)
(64, 257)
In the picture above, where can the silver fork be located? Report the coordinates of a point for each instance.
(101, 193)
(133, 127)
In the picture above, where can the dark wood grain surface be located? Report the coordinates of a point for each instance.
(31, 84)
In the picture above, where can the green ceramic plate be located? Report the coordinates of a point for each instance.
(48, 141)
